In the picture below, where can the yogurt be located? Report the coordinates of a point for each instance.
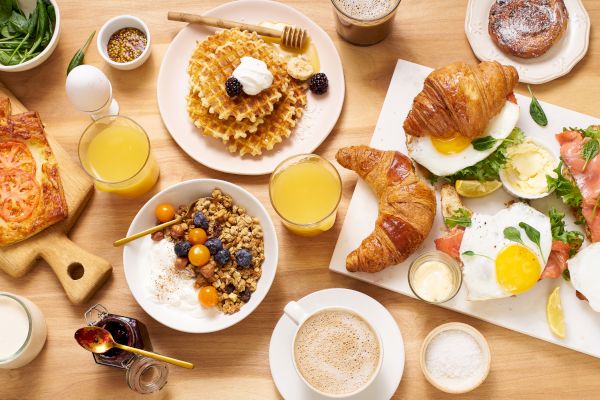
(254, 75)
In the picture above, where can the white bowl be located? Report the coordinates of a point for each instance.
(28, 6)
(136, 272)
(113, 25)
(513, 190)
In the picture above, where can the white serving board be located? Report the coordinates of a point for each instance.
(525, 313)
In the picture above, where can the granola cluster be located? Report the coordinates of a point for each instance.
(236, 275)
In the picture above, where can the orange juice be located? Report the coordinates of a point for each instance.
(305, 191)
(116, 152)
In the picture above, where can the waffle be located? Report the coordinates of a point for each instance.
(215, 127)
(277, 126)
(213, 62)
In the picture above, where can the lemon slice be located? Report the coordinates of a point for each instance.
(476, 188)
(554, 314)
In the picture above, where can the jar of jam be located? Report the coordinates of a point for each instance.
(143, 374)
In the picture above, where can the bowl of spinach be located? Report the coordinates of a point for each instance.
(29, 31)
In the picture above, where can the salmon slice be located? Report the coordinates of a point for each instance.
(450, 242)
(557, 261)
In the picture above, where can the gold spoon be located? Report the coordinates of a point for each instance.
(99, 340)
(156, 228)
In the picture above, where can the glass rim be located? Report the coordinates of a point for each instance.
(366, 20)
(299, 156)
(85, 131)
(449, 261)
(30, 329)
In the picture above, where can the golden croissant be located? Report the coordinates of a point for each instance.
(407, 207)
(460, 98)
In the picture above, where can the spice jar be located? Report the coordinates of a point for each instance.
(143, 374)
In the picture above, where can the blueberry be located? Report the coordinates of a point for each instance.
(200, 220)
(243, 258)
(245, 295)
(182, 248)
(222, 257)
(214, 245)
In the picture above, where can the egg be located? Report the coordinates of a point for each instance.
(447, 156)
(584, 269)
(497, 267)
(88, 88)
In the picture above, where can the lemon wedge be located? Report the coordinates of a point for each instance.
(554, 314)
(476, 188)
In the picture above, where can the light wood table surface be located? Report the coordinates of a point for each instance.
(233, 364)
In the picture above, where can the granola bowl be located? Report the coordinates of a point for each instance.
(239, 271)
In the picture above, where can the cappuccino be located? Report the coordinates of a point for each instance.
(337, 352)
(364, 22)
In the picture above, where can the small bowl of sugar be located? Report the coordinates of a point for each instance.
(455, 358)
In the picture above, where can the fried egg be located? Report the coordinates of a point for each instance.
(496, 267)
(584, 269)
(447, 156)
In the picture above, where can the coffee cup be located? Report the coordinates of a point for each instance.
(336, 352)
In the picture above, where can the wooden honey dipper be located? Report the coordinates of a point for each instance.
(291, 36)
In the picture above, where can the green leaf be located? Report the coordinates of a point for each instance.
(484, 143)
(77, 59)
(461, 217)
(19, 22)
(469, 253)
(533, 235)
(595, 209)
(567, 191)
(559, 232)
(513, 234)
(589, 151)
(566, 275)
(5, 10)
(536, 111)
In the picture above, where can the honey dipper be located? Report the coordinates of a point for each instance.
(291, 36)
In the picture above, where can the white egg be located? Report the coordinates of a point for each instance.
(88, 88)
(486, 240)
(422, 150)
(584, 269)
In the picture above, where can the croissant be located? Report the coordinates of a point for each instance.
(407, 207)
(460, 98)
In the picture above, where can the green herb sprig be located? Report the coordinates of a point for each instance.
(461, 217)
(470, 253)
(589, 151)
(487, 142)
(77, 59)
(564, 188)
(559, 232)
(536, 111)
(533, 235)
(513, 234)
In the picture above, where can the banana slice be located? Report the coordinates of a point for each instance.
(299, 68)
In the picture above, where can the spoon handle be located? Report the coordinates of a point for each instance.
(170, 360)
(222, 23)
(148, 231)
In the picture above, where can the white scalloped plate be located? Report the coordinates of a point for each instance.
(558, 61)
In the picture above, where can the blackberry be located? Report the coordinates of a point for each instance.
(243, 258)
(245, 295)
(182, 248)
(222, 257)
(233, 87)
(319, 83)
(200, 220)
(214, 244)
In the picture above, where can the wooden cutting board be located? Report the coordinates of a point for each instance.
(79, 272)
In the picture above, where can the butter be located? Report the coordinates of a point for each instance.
(526, 168)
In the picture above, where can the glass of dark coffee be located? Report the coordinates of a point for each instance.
(364, 22)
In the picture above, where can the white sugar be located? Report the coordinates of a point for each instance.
(455, 360)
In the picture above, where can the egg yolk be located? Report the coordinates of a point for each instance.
(517, 269)
(451, 145)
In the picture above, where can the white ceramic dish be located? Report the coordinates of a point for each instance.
(319, 118)
(113, 25)
(136, 271)
(558, 61)
(475, 334)
(28, 6)
(525, 313)
(287, 380)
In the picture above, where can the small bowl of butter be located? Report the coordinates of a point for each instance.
(528, 163)
(435, 277)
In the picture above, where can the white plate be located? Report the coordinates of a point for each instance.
(525, 313)
(320, 116)
(284, 374)
(136, 270)
(558, 61)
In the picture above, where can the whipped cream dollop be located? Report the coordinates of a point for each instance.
(254, 75)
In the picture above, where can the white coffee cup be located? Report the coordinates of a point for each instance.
(299, 316)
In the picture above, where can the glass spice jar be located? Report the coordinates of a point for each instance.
(143, 374)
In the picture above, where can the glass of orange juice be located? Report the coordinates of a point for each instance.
(305, 191)
(115, 151)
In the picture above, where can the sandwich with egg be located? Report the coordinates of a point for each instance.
(463, 120)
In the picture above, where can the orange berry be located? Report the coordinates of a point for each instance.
(164, 212)
(197, 236)
(199, 255)
(208, 296)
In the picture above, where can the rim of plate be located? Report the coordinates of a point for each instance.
(482, 43)
(242, 170)
(268, 279)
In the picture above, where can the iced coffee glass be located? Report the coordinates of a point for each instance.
(364, 22)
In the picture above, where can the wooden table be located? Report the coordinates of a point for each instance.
(233, 364)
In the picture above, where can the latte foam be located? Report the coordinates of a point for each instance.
(336, 352)
(366, 10)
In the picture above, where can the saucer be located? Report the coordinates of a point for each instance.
(284, 374)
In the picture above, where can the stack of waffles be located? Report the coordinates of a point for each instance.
(247, 125)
